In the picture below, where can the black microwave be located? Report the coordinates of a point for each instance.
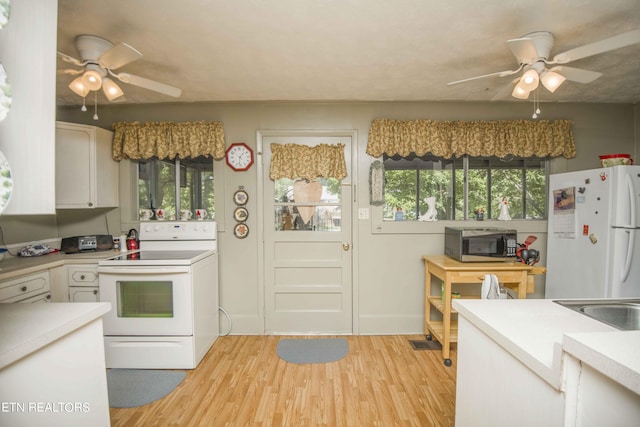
(469, 244)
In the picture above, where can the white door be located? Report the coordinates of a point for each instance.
(307, 246)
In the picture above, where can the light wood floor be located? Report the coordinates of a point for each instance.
(383, 381)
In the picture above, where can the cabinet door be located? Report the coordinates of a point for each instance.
(28, 54)
(84, 294)
(75, 163)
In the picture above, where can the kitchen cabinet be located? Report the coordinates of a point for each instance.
(28, 288)
(52, 365)
(86, 174)
(28, 54)
(83, 283)
(493, 388)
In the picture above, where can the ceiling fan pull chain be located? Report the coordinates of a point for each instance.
(84, 104)
(95, 114)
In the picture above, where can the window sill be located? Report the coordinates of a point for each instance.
(437, 227)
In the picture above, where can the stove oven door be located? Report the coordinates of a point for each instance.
(147, 300)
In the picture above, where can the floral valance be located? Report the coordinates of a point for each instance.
(520, 138)
(301, 161)
(168, 140)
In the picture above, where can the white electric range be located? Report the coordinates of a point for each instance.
(164, 297)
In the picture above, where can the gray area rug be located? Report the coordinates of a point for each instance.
(136, 387)
(315, 350)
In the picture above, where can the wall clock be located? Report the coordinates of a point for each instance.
(239, 156)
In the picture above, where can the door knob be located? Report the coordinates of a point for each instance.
(345, 246)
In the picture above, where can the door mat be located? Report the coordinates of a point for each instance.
(425, 345)
(136, 387)
(313, 350)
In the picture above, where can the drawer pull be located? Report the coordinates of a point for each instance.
(82, 277)
(95, 292)
(23, 289)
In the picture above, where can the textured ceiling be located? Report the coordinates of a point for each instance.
(348, 50)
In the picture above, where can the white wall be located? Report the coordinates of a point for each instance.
(387, 263)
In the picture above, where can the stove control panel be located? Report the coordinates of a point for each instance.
(178, 230)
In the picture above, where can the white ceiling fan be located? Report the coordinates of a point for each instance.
(99, 60)
(532, 52)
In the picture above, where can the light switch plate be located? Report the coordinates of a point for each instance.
(363, 213)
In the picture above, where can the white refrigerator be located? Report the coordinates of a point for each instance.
(593, 241)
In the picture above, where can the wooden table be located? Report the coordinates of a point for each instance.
(512, 275)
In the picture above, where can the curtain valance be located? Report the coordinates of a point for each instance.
(521, 138)
(301, 161)
(168, 140)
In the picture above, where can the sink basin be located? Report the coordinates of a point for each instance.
(620, 313)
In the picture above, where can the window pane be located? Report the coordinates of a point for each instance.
(507, 183)
(478, 189)
(196, 186)
(400, 195)
(536, 189)
(438, 185)
(157, 186)
(321, 215)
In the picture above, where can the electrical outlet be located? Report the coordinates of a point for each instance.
(363, 213)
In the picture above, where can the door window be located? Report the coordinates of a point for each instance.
(307, 205)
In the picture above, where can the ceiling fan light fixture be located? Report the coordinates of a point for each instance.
(520, 91)
(530, 79)
(92, 79)
(111, 89)
(551, 80)
(78, 87)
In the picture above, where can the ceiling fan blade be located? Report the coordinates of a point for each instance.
(605, 45)
(505, 92)
(118, 56)
(498, 74)
(70, 71)
(524, 50)
(71, 59)
(148, 84)
(576, 74)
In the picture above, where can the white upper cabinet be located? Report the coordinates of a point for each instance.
(86, 174)
(28, 55)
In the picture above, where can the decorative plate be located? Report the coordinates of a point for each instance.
(6, 182)
(5, 94)
(240, 197)
(4, 13)
(241, 230)
(241, 214)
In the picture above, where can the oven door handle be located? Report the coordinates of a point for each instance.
(143, 270)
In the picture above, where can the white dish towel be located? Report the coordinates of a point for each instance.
(490, 287)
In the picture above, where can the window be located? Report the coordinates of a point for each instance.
(460, 186)
(318, 207)
(158, 181)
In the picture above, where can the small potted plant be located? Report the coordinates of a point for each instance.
(479, 211)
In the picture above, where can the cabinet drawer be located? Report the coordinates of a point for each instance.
(84, 294)
(82, 275)
(24, 287)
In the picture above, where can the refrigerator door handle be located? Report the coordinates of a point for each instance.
(630, 249)
(632, 201)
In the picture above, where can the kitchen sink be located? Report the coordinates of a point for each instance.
(620, 313)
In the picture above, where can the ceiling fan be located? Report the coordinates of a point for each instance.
(99, 60)
(532, 52)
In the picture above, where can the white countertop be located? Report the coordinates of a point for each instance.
(29, 327)
(13, 266)
(536, 332)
